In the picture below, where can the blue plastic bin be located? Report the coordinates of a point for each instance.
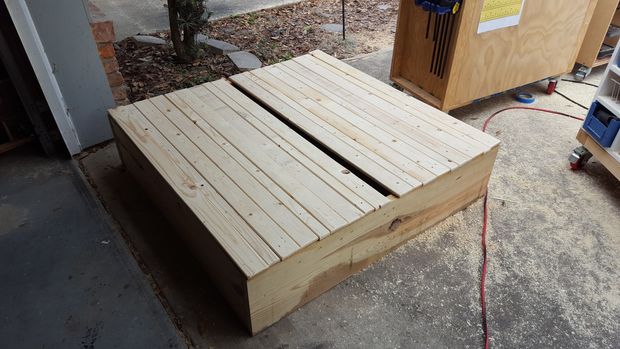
(603, 134)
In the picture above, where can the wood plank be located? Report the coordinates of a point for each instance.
(259, 209)
(236, 157)
(244, 246)
(358, 193)
(206, 117)
(596, 32)
(302, 229)
(599, 153)
(316, 184)
(333, 125)
(417, 92)
(5, 147)
(303, 146)
(407, 103)
(357, 156)
(325, 263)
(368, 127)
(223, 270)
(418, 119)
(602, 61)
(425, 136)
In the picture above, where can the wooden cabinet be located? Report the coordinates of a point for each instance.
(474, 66)
(606, 15)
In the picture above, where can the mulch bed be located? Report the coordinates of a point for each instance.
(272, 35)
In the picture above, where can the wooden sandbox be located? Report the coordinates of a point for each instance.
(288, 179)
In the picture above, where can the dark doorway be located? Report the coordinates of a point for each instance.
(15, 129)
(24, 114)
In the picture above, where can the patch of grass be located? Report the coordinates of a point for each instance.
(286, 56)
(199, 79)
(251, 18)
(265, 50)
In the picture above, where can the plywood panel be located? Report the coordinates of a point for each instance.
(604, 11)
(414, 48)
(544, 44)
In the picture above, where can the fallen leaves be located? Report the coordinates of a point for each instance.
(273, 35)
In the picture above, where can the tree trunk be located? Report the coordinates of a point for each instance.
(189, 42)
(183, 31)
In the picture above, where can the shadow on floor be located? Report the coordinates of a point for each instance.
(178, 276)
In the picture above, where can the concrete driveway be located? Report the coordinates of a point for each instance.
(554, 247)
(132, 17)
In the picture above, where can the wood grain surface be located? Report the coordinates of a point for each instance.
(544, 44)
(283, 195)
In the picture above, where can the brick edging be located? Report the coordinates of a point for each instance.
(104, 36)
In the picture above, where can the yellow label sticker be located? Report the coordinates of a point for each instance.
(456, 7)
(496, 9)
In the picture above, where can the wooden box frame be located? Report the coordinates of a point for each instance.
(263, 296)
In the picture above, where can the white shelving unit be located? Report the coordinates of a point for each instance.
(613, 150)
(608, 95)
(608, 92)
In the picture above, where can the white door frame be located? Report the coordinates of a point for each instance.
(20, 14)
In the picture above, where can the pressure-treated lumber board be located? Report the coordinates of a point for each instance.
(229, 277)
(199, 151)
(370, 126)
(332, 121)
(270, 158)
(358, 191)
(383, 115)
(194, 141)
(252, 253)
(347, 209)
(277, 196)
(401, 102)
(297, 280)
(611, 163)
(395, 179)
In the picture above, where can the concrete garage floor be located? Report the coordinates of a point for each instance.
(67, 279)
(554, 248)
(133, 17)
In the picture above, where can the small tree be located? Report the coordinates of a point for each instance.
(186, 20)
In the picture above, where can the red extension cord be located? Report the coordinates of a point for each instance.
(485, 220)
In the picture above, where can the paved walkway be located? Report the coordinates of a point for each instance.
(146, 16)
